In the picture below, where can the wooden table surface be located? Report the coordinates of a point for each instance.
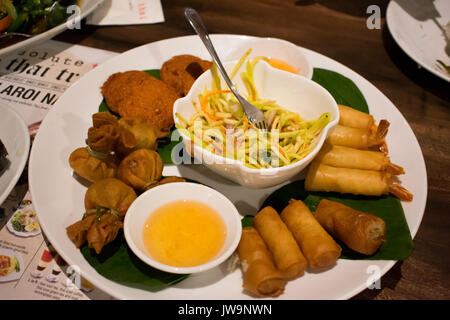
(337, 29)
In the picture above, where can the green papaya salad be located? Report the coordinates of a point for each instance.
(220, 125)
(33, 16)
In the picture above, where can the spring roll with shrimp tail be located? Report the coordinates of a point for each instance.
(353, 118)
(358, 138)
(316, 244)
(261, 277)
(321, 177)
(345, 157)
(360, 231)
(281, 243)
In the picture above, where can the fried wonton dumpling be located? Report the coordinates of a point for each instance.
(110, 193)
(103, 118)
(103, 231)
(96, 229)
(102, 136)
(77, 232)
(138, 134)
(103, 139)
(141, 168)
(90, 167)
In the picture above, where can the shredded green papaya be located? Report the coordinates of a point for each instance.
(221, 126)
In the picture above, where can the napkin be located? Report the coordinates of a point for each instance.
(126, 12)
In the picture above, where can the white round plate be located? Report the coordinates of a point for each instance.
(87, 6)
(419, 28)
(14, 275)
(58, 197)
(14, 135)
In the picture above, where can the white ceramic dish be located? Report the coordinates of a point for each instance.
(295, 93)
(141, 209)
(419, 28)
(274, 48)
(58, 197)
(14, 135)
(87, 6)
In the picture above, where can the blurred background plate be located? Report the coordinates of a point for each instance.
(14, 135)
(87, 6)
(422, 29)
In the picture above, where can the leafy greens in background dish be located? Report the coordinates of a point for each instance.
(32, 16)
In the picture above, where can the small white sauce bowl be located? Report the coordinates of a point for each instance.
(290, 91)
(275, 48)
(146, 204)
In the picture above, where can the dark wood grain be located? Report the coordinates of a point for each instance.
(338, 30)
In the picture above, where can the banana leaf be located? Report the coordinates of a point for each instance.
(118, 263)
(398, 244)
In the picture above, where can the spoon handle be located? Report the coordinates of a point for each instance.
(196, 22)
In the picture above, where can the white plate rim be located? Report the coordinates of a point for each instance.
(406, 48)
(386, 265)
(23, 131)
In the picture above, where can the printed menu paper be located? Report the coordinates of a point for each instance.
(31, 81)
(127, 12)
(31, 269)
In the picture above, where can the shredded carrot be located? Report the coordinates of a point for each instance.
(204, 102)
(245, 124)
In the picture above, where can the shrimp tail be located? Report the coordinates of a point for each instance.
(383, 147)
(382, 130)
(377, 138)
(395, 169)
(400, 192)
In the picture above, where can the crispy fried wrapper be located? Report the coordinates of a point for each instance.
(103, 139)
(110, 193)
(102, 136)
(90, 167)
(106, 203)
(96, 230)
(141, 168)
(140, 134)
(166, 180)
(103, 118)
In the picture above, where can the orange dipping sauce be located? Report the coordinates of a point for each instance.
(184, 233)
(282, 65)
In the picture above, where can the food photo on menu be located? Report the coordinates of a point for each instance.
(156, 151)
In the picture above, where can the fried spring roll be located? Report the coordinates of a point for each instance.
(261, 277)
(358, 138)
(281, 243)
(360, 231)
(353, 118)
(344, 157)
(316, 244)
(321, 177)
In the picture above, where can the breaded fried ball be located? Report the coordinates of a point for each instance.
(137, 94)
(180, 72)
(117, 87)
